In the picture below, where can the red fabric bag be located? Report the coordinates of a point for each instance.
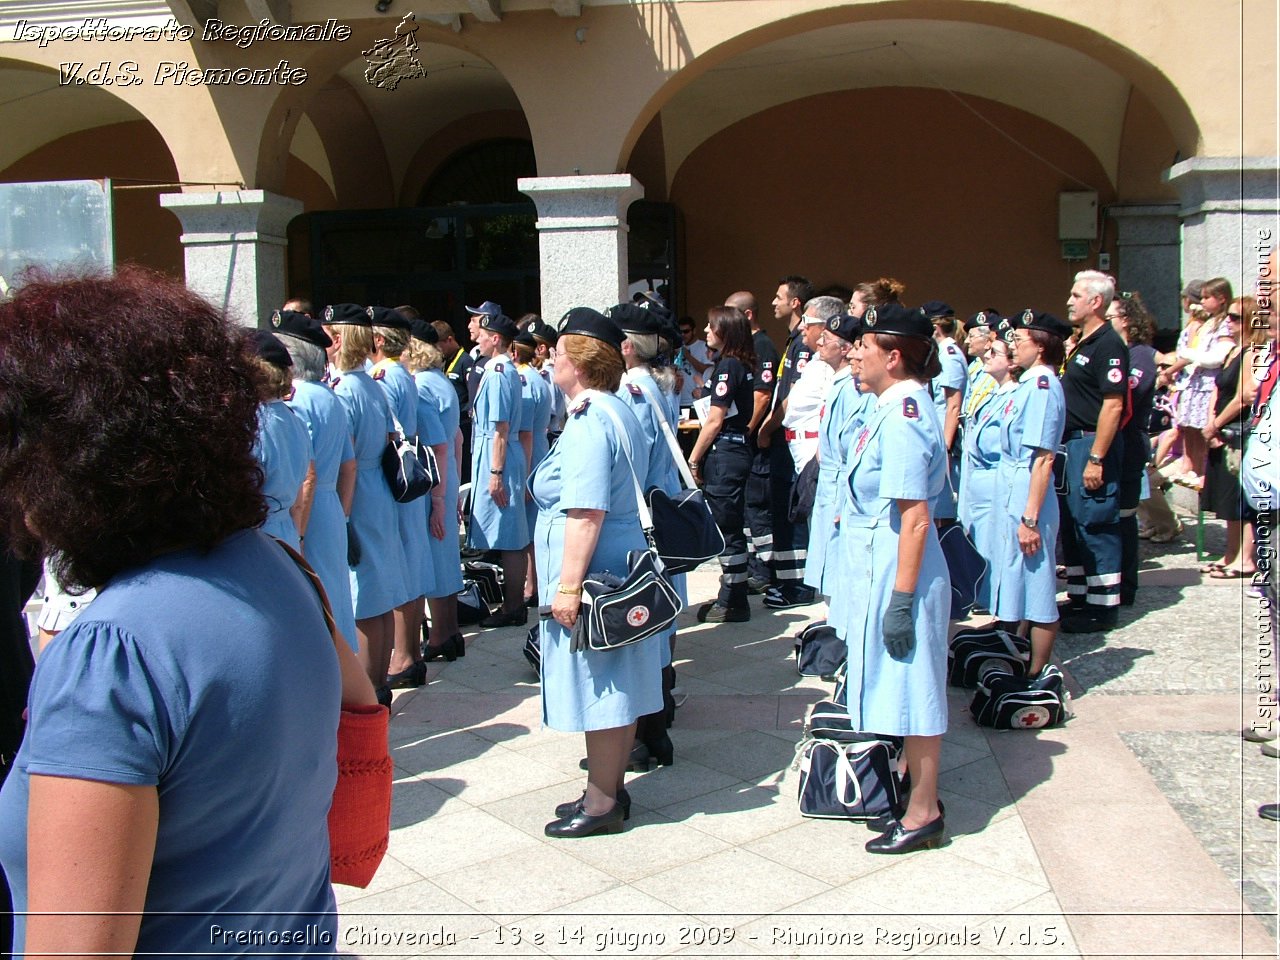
(360, 815)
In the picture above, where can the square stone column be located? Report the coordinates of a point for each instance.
(1230, 216)
(1148, 257)
(234, 243)
(582, 239)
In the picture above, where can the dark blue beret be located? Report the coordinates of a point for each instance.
(633, 318)
(265, 345)
(420, 329)
(936, 308)
(388, 317)
(585, 322)
(983, 318)
(350, 314)
(846, 327)
(543, 332)
(525, 337)
(894, 318)
(1047, 322)
(500, 324)
(300, 325)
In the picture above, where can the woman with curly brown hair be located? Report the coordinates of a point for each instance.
(176, 774)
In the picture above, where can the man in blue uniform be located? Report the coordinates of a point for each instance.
(790, 541)
(1095, 386)
(759, 494)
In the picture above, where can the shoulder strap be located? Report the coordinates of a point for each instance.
(672, 444)
(316, 583)
(624, 440)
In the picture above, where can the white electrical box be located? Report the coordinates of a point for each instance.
(1078, 215)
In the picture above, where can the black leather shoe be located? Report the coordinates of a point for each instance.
(383, 694)
(716, 612)
(573, 806)
(450, 650)
(582, 824)
(1088, 620)
(881, 824)
(531, 602)
(415, 676)
(1269, 811)
(898, 839)
(516, 618)
(646, 756)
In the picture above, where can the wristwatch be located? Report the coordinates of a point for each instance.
(1030, 523)
(496, 473)
(1095, 459)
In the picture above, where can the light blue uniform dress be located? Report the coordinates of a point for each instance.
(326, 544)
(897, 455)
(858, 408)
(498, 401)
(1025, 588)
(978, 488)
(438, 423)
(536, 404)
(284, 450)
(377, 581)
(844, 403)
(641, 392)
(402, 397)
(955, 376)
(587, 469)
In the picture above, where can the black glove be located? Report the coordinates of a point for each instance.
(353, 546)
(578, 634)
(898, 630)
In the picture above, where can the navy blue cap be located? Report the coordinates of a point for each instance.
(846, 327)
(351, 314)
(486, 309)
(936, 308)
(1046, 322)
(266, 345)
(420, 329)
(894, 318)
(526, 338)
(585, 322)
(500, 324)
(387, 317)
(633, 318)
(300, 325)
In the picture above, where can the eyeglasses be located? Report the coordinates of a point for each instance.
(1236, 317)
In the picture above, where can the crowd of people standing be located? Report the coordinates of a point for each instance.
(852, 448)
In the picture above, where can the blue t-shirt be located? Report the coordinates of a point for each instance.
(211, 677)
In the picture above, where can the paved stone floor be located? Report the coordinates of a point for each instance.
(1129, 832)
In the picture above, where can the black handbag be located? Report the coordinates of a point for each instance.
(410, 468)
(619, 611)
(684, 531)
(803, 492)
(819, 652)
(533, 648)
(853, 778)
(471, 605)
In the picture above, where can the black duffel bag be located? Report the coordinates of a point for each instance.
(410, 468)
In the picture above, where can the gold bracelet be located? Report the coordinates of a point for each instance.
(569, 591)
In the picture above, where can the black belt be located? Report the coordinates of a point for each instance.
(731, 437)
(1077, 435)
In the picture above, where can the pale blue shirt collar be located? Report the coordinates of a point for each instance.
(897, 391)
